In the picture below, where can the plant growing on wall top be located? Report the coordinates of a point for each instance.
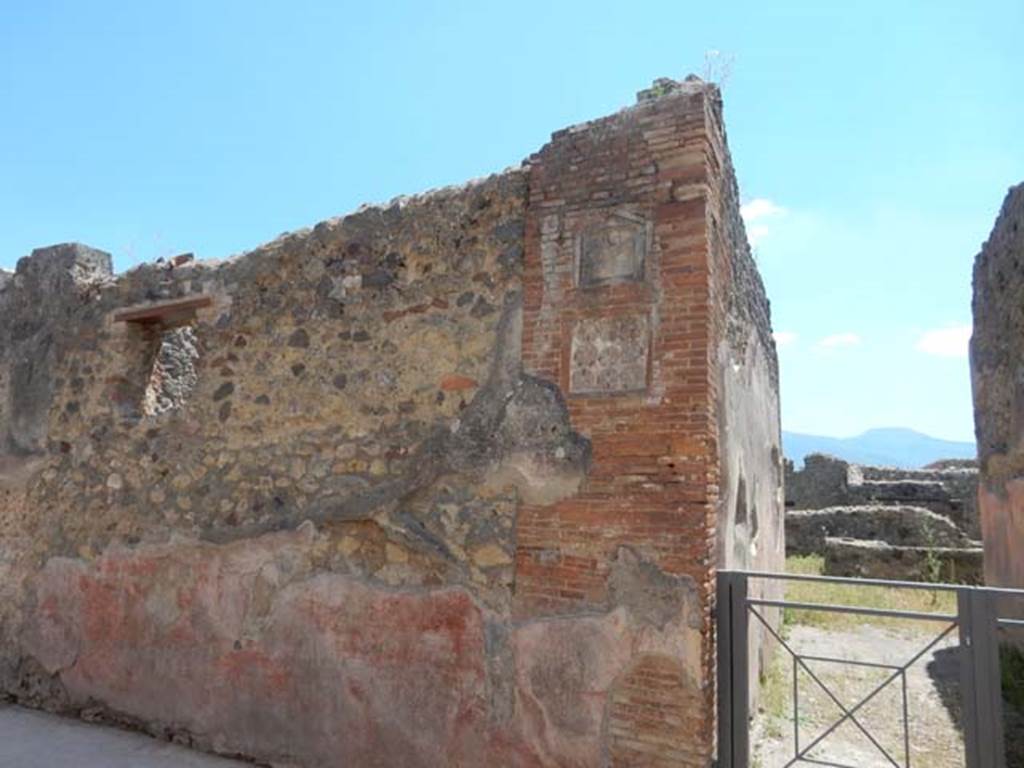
(718, 67)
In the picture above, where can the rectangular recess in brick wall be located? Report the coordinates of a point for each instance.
(613, 249)
(609, 355)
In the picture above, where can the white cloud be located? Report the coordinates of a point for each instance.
(758, 210)
(784, 338)
(839, 340)
(945, 342)
(757, 233)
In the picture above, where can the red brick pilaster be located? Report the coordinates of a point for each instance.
(635, 182)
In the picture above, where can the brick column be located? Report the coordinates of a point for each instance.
(616, 312)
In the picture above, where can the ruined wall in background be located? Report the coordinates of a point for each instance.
(948, 488)
(997, 376)
(882, 521)
(823, 481)
(433, 483)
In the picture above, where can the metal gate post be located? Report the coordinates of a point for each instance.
(740, 673)
(988, 685)
(968, 696)
(980, 683)
(733, 675)
(723, 626)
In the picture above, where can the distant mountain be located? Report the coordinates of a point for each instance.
(890, 447)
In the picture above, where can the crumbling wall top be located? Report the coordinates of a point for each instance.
(55, 267)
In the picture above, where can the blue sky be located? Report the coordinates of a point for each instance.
(874, 142)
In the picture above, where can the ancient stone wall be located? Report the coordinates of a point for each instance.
(823, 481)
(807, 529)
(949, 489)
(433, 483)
(883, 521)
(866, 559)
(997, 376)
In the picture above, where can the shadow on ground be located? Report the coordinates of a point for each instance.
(944, 671)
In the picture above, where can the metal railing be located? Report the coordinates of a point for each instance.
(977, 619)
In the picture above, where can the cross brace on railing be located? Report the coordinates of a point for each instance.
(976, 618)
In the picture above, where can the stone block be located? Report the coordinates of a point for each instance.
(858, 558)
(806, 530)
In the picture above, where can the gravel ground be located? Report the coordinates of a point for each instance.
(935, 739)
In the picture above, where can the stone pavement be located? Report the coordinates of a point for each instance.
(31, 739)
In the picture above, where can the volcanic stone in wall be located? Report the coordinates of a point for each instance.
(49, 286)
